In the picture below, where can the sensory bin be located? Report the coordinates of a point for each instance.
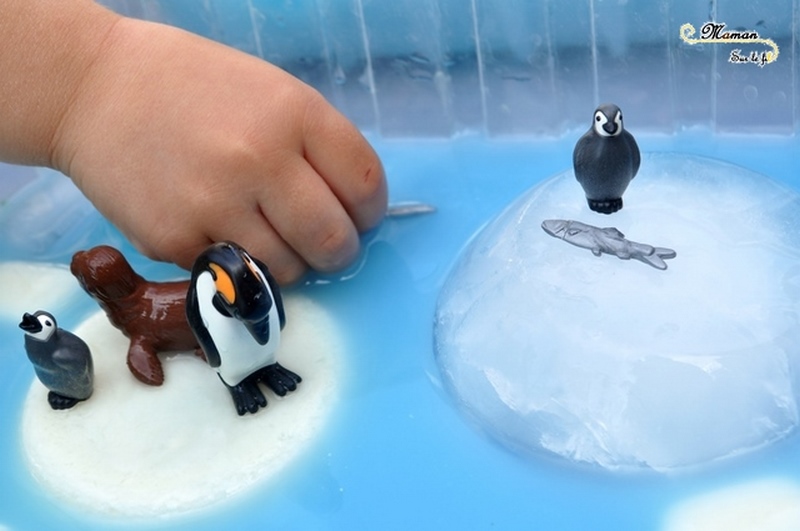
(441, 370)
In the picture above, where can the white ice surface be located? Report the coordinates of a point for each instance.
(138, 451)
(770, 504)
(614, 362)
(29, 287)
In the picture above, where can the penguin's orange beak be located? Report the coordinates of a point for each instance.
(224, 284)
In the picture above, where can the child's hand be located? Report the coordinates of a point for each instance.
(180, 141)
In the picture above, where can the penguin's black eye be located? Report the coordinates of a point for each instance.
(48, 323)
(597, 118)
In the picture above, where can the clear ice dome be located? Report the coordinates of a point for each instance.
(618, 364)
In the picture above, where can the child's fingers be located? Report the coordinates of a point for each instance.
(251, 230)
(352, 169)
(309, 217)
(182, 249)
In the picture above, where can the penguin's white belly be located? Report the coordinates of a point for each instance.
(239, 353)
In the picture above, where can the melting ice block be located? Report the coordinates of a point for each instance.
(611, 362)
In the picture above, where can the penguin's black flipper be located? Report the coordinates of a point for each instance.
(247, 397)
(58, 401)
(275, 288)
(278, 378)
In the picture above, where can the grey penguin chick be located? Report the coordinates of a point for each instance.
(606, 159)
(62, 360)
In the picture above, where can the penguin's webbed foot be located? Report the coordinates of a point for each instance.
(59, 401)
(278, 378)
(605, 206)
(247, 397)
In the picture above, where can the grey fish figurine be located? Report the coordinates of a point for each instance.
(607, 240)
(409, 208)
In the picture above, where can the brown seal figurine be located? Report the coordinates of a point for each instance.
(151, 314)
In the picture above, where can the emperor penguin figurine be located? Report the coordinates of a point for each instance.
(235, 309)
(606, 159)
(62, 360)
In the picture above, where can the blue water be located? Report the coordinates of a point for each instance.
(398, 453)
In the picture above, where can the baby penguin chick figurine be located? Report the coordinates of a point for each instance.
(606, 159)
(235, 310)
(62, 360)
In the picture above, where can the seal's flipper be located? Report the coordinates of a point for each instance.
(143, 362)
